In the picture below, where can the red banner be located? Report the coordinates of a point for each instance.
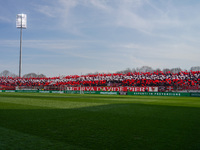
(131, 89)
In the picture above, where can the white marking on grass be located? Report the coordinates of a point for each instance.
(49, 103)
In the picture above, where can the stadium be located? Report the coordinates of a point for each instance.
(183, 81)
(65, 106)
(101, 111)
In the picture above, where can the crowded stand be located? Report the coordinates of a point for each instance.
(132, 79)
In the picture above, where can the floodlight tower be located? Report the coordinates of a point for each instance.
(21, 22)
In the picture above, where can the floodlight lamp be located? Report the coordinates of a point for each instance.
(21, 21)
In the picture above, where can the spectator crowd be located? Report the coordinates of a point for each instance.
(183, 78)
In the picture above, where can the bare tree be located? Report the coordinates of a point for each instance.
(175, 70)
(134, 70)
(195, 68)
(157, 70)
(127, 70)
(7, 73)
(30, 75)
(145, 69)
(166, 70)
(41, 75)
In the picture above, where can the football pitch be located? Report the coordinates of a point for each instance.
(98, 122)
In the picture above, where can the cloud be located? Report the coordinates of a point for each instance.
(108, 34)
(45, 10)
(94, 13)
(5, 19)
(99, 4)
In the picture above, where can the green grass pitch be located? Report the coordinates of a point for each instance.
(98, 122)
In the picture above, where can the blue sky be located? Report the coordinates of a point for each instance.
(67, 37)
